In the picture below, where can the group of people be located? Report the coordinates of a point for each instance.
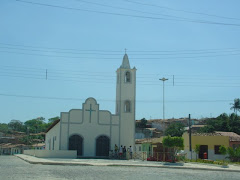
(121, 152)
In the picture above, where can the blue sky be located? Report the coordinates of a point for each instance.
(81, 44)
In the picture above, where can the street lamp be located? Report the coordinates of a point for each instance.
(163, 80)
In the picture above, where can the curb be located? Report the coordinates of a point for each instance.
(125, 165)
(177, 167)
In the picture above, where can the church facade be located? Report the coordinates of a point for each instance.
(94, 132)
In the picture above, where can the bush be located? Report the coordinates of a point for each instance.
(234, 154)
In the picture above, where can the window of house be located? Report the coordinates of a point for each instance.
(53, 143)
(127, 106)
(127, 77)
(49, 142)
(140, 148)
(216, 149)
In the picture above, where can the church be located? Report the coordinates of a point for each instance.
(93, 132)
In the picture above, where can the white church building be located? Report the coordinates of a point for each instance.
(93, 132)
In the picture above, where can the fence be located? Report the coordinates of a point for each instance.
(149, 156)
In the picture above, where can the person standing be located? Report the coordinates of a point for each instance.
(131, 151)
(124, 152)
(116, 150)
(120, 152)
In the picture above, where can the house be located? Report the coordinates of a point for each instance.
(152, 149)
(142, 133)
(234, 138)
(11, 149)
(210, 144)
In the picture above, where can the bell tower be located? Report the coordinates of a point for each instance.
(125, 102)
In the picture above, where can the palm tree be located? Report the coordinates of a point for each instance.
(236, 105)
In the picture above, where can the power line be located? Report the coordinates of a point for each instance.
(109, 76)
(114, 58)
(141, 83)
(129, 15)
(138, 11)
(172, 9)
(132, 54)
(114, 51)
(81, 99)
(97, 75)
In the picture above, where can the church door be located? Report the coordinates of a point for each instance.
(102, 146)
(76, 143)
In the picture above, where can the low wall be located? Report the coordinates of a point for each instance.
(52, 153)
(211, 155)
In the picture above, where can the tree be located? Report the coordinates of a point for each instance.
(16, 125)
(176, 143)
(142, 123)
(224, 122)
(223, 151)
(3, 128)
(234, 154)
(51, 120)
(197, 150)
(175, 129)
(36, 125)
(236, 105)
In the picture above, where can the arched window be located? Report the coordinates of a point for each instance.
(127, 77)
(127, 106)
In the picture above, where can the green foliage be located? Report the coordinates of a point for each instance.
(142, 123)
(3, 128)
(223, 150)
(234, 154)
(207, 161)
(175, 129)
(197, 150)
(176, 143)
(173, 142)
(51, 120)
(224, 122)
(30, 139)
(236, 105)
(16, 125)
(36, 125)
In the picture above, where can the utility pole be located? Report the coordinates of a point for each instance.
(163, 80)
(190, 134)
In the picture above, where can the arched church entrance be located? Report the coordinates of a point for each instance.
(102, 146)
(76, 143)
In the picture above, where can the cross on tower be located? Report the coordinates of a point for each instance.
(125, 51)
(90, 110)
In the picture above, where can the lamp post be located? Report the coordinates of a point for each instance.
(163, 80)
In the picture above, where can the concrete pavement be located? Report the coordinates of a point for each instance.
(133, 163)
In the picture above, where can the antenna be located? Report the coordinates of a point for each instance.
(173, 80)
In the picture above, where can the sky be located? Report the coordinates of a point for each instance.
(81, 43)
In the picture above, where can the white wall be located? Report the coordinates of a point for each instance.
(126, 91)
(51, 154)
(211, 155)
(52, 138)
